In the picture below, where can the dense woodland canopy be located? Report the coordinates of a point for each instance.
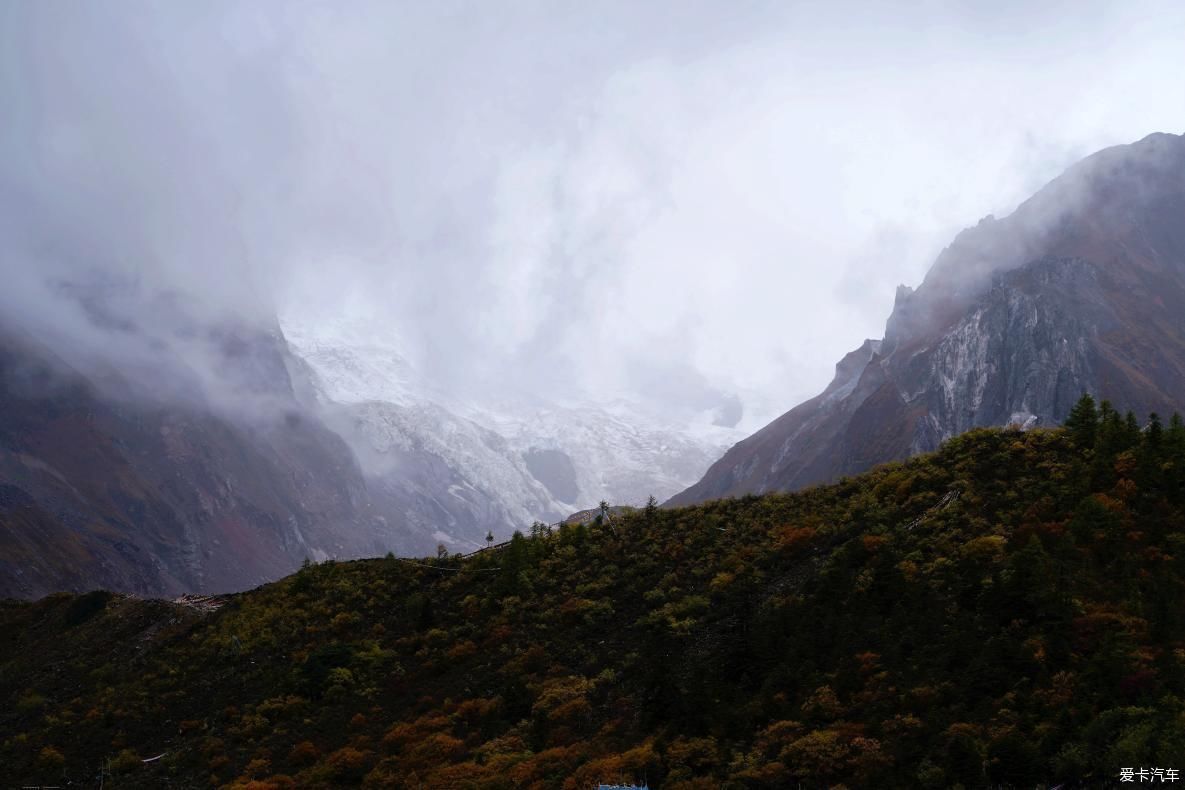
(1008, 611)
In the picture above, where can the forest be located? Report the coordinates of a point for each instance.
(1006, 612)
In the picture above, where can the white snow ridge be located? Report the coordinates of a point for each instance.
(450, 471)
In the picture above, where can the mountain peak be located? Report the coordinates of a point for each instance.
(1081, 289)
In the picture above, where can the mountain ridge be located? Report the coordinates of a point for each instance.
(1081, 289)
(119, 483)
(460, 468)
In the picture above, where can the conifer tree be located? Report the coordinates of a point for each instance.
(1174, 453)
(1083, 421)
(1175, 435)
(1150, 455)
(1110, 440)
(1155, 431)
(1131, 429)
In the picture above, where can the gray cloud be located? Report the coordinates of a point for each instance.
(539, 192)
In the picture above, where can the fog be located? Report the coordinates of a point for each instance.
(670, 201)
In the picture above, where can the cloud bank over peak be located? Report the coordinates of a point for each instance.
(551, 193)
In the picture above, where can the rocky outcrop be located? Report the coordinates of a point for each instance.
(1082, 289)
(159, 497)
(455, 470)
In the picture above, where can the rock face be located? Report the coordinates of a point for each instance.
(161, 496)
(454, 470)
(447, 479)
(1082, 289)
(161, 449)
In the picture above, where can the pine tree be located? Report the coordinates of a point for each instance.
(602, 514)
(1131, 430)
(1109, 442)
(1111, 430)
(1175, 436)
(1155, 431)
(1083, 422)
(1150, 457)
(1174, 450)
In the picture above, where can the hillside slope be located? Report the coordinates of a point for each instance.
(1006, 611)
(106, 482)
(1081, 289)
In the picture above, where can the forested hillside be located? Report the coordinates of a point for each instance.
(1007, 611)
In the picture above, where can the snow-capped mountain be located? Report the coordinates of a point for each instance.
(585, 453)
(454, 469)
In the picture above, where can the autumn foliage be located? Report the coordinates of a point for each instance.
(1009, 611)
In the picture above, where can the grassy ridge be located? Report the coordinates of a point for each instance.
(1006, 611)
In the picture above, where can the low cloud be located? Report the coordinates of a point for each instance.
(546, 193)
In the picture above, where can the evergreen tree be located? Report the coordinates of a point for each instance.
(515, 559)
(1155, 431)
(1131, 430)
(1176, 431)
(1174, 453)
(1083, 421)
(1110, 440)
(602, 513)
(1149, 458)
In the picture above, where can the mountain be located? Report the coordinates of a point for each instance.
(619, 452)
(1007, 612)
(148, 445)
(1081, 289)
(456, 469)
(451, 480)
(186, 464)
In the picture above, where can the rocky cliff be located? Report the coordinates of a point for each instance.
(454, 469)
(104, 485)
(1081, 289)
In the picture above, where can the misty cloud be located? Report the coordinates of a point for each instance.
(677, 201)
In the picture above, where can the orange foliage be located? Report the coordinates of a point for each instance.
(304, 753)
(791, 539)
(347, 764)
(627, 766)
(462, 650)
(873, 542)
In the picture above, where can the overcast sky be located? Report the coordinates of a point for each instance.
(725, 194)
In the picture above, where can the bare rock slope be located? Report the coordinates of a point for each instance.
(1081, 289)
